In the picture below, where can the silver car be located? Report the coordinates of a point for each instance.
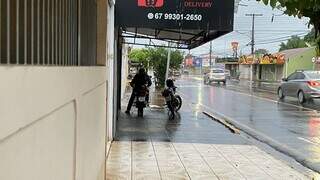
(304, 85)
(215, 75)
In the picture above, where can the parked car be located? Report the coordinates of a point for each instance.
(215, 75)
(305, 85)
(186, 72)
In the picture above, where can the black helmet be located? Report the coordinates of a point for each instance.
(142, 71)
(169, 83)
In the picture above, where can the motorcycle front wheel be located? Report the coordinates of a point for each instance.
(178, 103)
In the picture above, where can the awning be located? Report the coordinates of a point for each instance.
(185, 23)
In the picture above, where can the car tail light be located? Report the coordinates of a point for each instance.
(313, 83)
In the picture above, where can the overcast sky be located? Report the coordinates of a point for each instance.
(268, 34)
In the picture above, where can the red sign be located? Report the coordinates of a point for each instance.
(235, 45)
(150, 3)
(189, 61)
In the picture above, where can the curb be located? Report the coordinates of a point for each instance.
(231, 128)
(267, 140)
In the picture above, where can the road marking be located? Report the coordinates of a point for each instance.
(257, 135)
(227, 117)
(309, 141)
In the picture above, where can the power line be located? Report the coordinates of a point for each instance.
(271, 42)
(289, 36)
(277, 35)
(224, 51)
(266, 41)
(273, 30)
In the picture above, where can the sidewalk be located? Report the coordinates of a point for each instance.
(257, 85)
(190, 147)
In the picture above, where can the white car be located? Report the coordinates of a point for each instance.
(215, 75)
(227, 73)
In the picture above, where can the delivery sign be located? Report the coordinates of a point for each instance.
(176, 14)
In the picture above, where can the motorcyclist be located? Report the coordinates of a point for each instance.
(139, 80)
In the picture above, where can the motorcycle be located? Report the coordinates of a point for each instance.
(173, 100)
(141, 99)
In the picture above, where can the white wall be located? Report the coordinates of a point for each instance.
(52, 123)
(244, 72)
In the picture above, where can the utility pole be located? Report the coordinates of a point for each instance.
(252, 45)
(168, 61)
(210, 65)
(252, 31)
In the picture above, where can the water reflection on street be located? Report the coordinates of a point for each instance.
(288, 123)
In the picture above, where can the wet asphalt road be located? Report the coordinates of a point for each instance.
(287, 123)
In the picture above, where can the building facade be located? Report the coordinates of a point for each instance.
(299, 59)
(57, 76)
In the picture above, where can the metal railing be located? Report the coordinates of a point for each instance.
(46, 32)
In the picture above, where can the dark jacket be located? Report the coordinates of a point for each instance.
(140, 80)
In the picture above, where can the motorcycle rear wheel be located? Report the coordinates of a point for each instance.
(140, 111)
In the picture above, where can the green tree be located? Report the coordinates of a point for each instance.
(309, 38)
(176, 59)
(158, 60)
(140, 56)
(294, 42)
(301, 8)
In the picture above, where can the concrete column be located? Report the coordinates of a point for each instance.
(111, 40)
(101, 32)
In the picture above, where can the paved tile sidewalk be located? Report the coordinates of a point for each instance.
(168, 160)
